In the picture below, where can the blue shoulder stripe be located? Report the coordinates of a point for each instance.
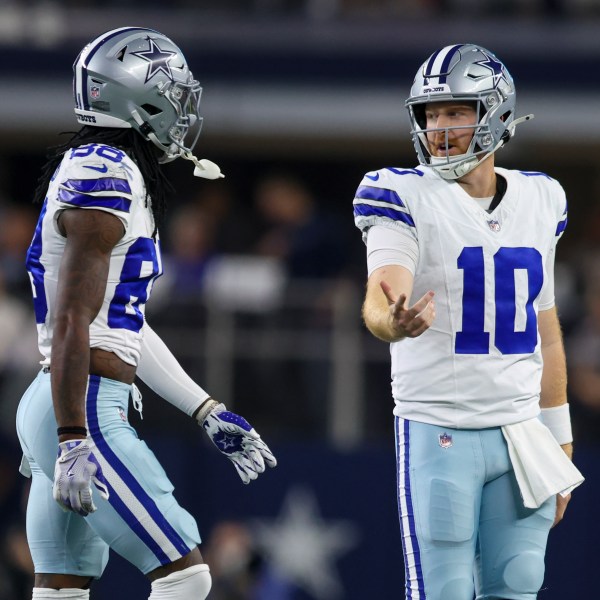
(85, 201)
(367, 192)
(535, 174)
(561, 226)
(369, 210)
(104, 184)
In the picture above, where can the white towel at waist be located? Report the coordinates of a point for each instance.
(541, 466)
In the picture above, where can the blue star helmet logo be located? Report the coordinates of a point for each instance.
(496, 67)
(158, 59)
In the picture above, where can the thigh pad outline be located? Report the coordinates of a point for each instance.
(452, 514)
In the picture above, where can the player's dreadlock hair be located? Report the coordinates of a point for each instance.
(145, 155)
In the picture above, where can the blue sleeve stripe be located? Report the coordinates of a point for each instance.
(370, 210)
(561, 227)
(535, 174)
(85, 201)
(104, 184)
(368, 192)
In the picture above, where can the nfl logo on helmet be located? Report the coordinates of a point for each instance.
(445, 440)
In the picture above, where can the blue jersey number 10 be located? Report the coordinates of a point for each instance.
(473, 339)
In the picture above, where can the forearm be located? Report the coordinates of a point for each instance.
(70, 368)
(377, 321)
(163, 374)
(376, 307)
(554, 376)
(553, 396)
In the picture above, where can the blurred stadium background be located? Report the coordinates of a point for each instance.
(265, 271)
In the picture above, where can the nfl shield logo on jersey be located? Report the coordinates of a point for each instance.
(494, 225)
(95, 92)
(445, 440)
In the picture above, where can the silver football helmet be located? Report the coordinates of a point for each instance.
(464, 72)
(137, 77)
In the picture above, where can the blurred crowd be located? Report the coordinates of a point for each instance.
(334, 9)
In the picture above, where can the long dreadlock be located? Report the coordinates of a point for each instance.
(158, 187)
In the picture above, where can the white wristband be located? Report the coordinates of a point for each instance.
(205, 408)
(558, 420)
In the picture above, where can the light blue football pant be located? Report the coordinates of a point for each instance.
(465, 531)
(141, 521)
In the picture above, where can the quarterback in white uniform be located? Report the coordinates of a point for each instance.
(478, 367)
(92, 262)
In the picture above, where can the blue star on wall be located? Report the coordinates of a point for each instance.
(495, 66)
(158, 59)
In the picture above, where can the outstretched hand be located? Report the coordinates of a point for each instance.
(239, 442)
(408, 322)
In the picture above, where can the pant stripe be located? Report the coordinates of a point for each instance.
(128, 497)
(415, 588)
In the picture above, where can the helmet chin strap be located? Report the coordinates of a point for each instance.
(459, 168)
(452, 170)
(203, 167)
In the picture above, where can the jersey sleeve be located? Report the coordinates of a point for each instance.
(387, 246)
(93, 182)
(561, 217)
(547, 294)
(378, 202)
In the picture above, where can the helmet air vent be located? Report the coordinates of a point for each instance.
(151, 109)
(476, 71)
(121, 55)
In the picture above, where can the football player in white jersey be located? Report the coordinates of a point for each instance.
(460, 258)
(92, 262)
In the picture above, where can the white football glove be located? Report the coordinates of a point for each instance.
(237, 440)
(75, 470)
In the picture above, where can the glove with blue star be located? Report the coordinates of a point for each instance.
(75, 470)
(236, 439)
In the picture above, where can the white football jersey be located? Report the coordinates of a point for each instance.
(99, 177)
(479, 364)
